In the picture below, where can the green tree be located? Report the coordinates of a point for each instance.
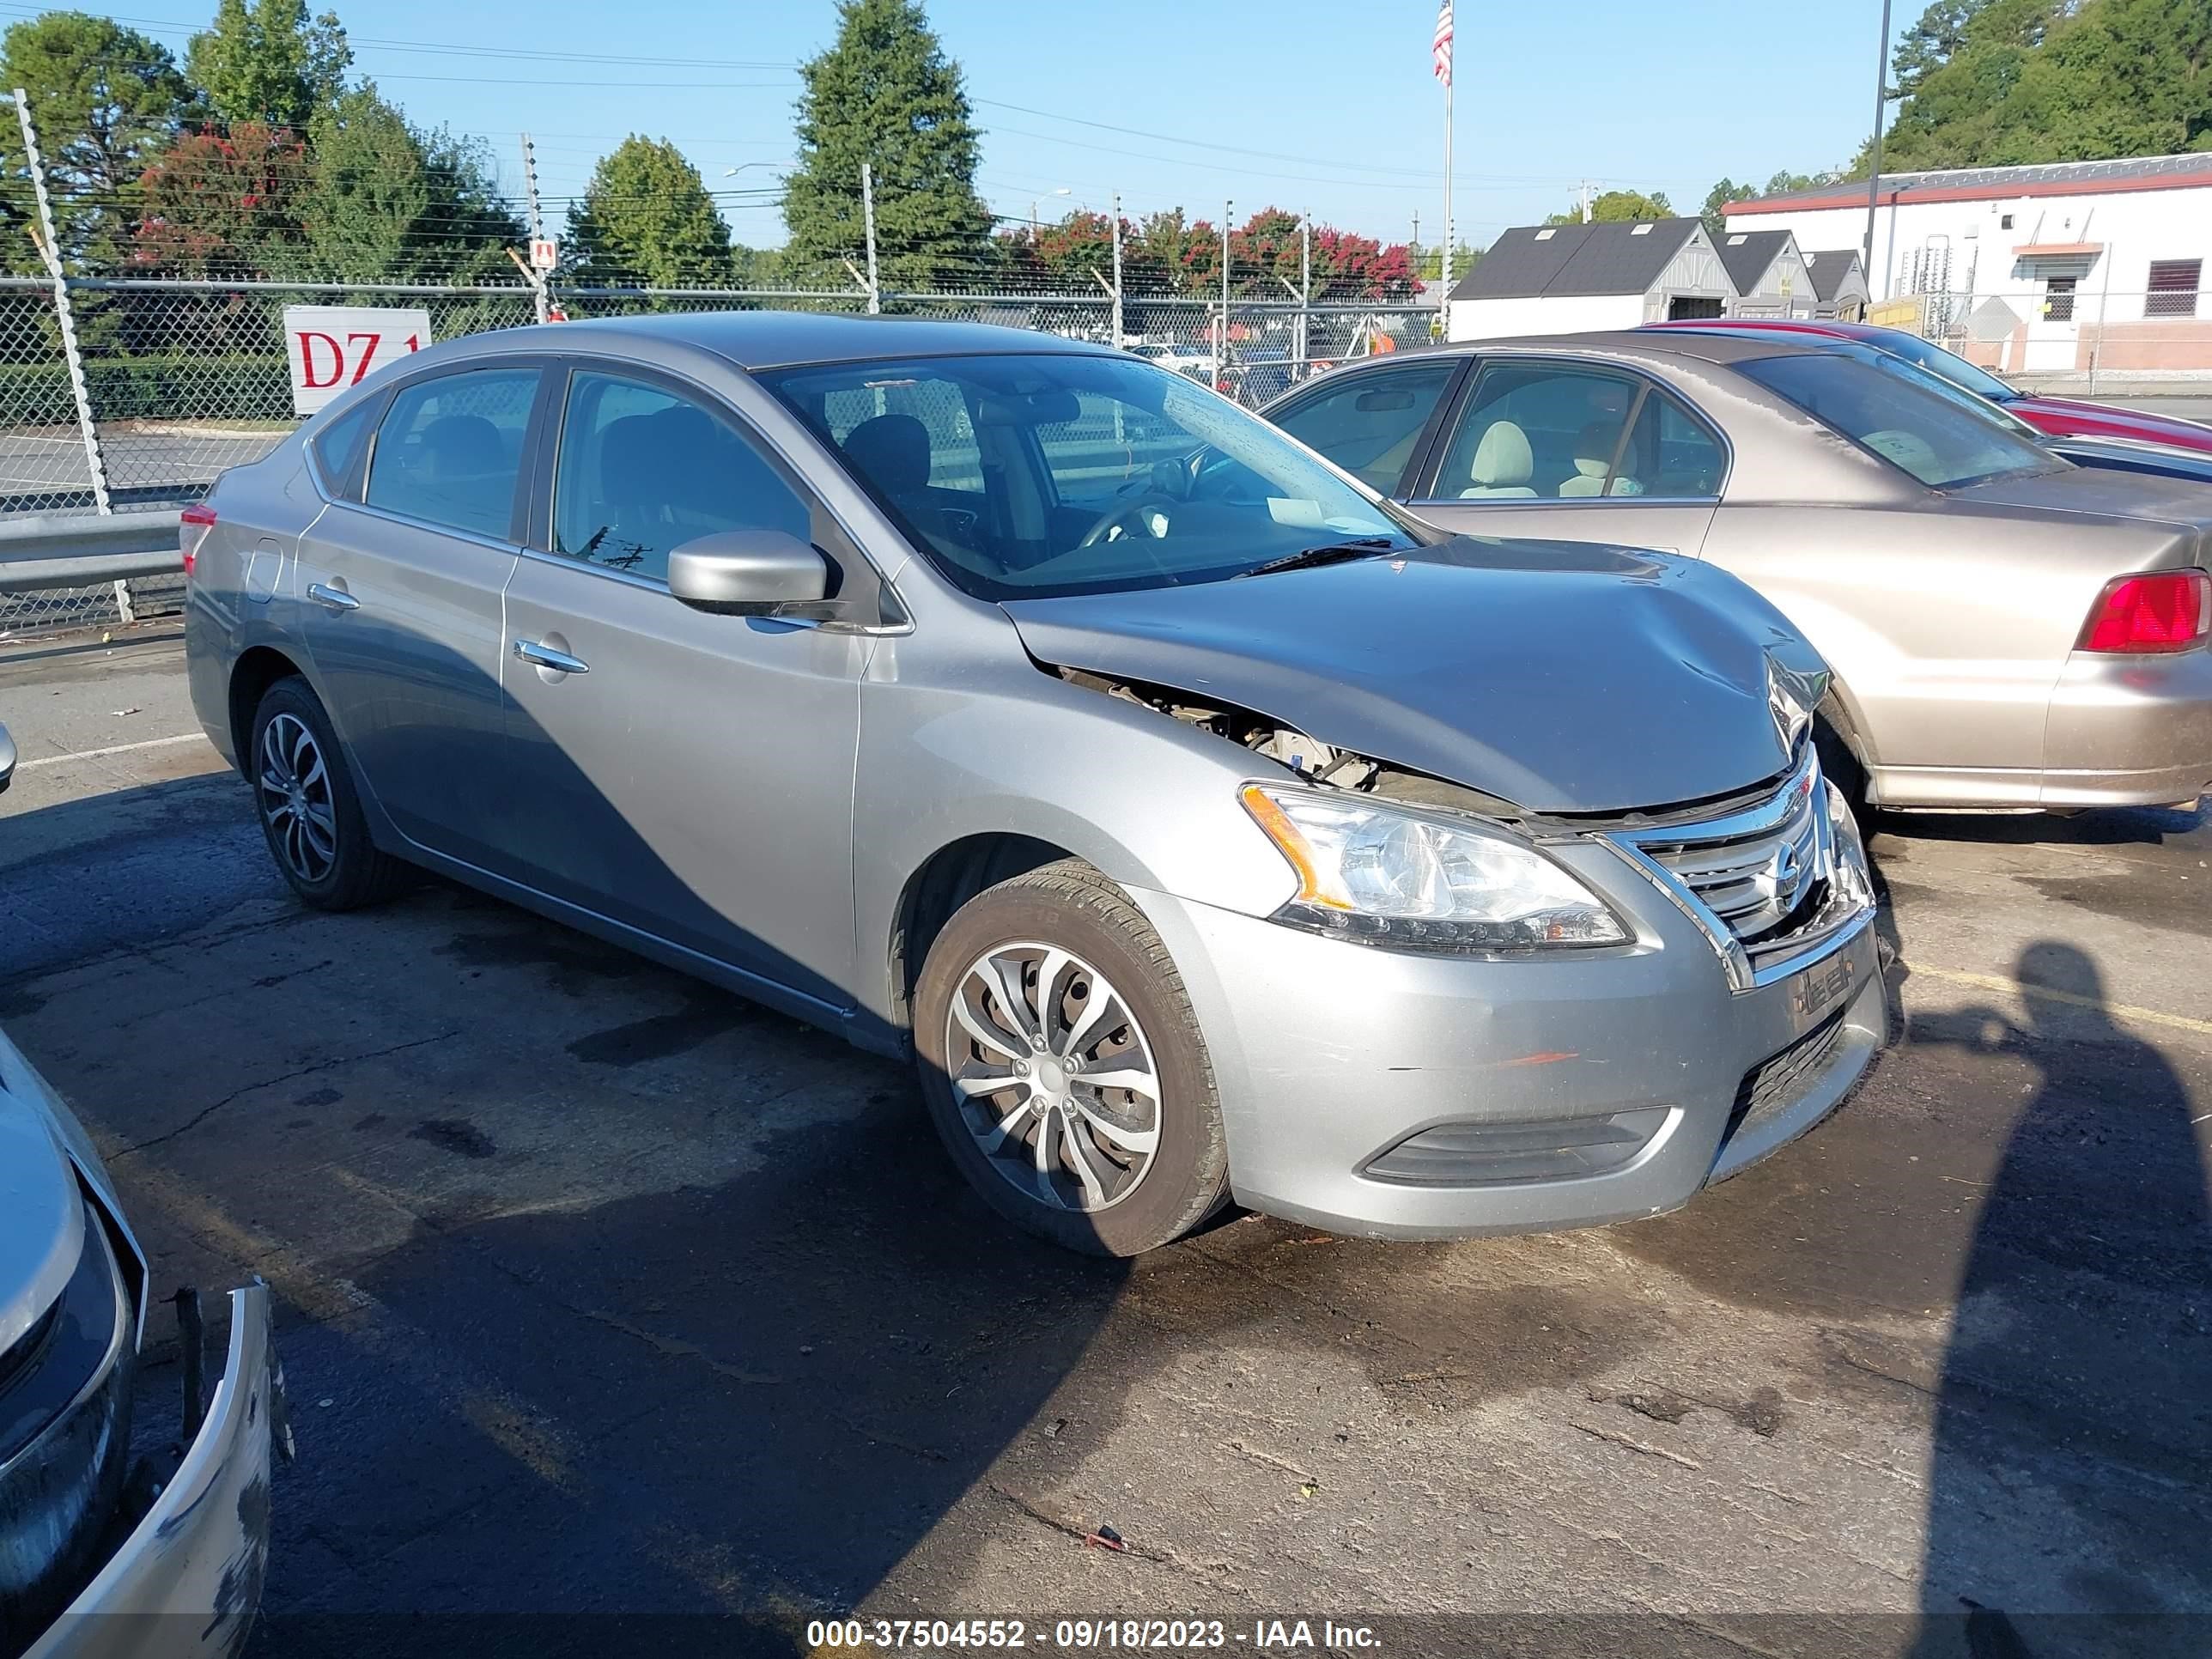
(269, 61)
(885, 93)
(1428, 260)
(390, 203)
(647, 218)
(1930, 43)
(1617, 206)
(104, 100)
(1781, 184)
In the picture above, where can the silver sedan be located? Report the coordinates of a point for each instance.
(2007, 630)
(1200, 825)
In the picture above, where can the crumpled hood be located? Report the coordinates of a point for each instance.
(1564, 676)
(42, 1217)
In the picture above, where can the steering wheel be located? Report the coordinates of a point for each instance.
(1125, 515)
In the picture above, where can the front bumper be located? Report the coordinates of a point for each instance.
(1328, 1055)
(187, 1581)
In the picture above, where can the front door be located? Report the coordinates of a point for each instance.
(686, 774)
(398, 589)
(1547, 448)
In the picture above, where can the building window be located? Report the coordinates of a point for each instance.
(2174, 285)
(2058, 299)
(2005, 223)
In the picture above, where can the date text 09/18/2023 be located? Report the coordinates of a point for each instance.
(1122, 1635)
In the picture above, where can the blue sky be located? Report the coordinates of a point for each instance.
(1304, 104)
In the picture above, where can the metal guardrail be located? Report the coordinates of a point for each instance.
(79, 550)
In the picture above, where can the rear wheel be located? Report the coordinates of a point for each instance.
(1064, 1068)
(309, 812)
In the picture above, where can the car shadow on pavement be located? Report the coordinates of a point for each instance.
(2117, 826)
(2072, 1394)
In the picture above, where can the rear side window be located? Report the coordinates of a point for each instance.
(1537, 431)
(1879, 404)
(338, 448)
(1669, 455)
(1369, 424)
(643, 470)
(449, 451)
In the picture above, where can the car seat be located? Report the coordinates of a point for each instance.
(1503, 464)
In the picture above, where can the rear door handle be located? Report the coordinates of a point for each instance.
(545, 656)
(336, 597)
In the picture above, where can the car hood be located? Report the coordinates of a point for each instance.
(2103, 421)
(41, 1216)
(1562, 676)
(2105, 492)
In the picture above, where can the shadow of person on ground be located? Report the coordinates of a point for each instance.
(2068, 1498)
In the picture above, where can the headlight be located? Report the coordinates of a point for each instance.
(1389, 875)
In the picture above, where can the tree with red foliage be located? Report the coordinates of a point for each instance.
(224, 203)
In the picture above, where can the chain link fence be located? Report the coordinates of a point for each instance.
(181, 379)
(2065, 335)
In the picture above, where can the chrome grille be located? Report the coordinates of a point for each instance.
(1763, 872)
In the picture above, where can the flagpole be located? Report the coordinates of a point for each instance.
(1443, 301)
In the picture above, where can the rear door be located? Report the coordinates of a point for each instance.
(399, 587)
(686, 774)
(1576, 451)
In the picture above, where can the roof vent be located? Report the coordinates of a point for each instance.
(1545, 235)
(1644, 229)
(1736, 240)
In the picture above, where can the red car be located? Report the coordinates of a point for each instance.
(2059, 417)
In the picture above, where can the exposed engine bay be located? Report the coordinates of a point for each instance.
(1299, 752)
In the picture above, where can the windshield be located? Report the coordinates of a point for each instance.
(1887, 406)
(1021, 477)
(1948, 364)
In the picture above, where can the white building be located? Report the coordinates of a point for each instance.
(2050, 269)
(1568, 279)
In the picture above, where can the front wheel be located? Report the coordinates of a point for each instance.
(1064, 1068)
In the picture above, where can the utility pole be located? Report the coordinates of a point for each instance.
(538, 278)
(1305, 282)
(1583, 195)
(868, 221)
(1874, 172)
(1221, 348)
(1117, 279)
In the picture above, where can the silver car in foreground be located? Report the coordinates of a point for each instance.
(93, 1563)
(1203, 827)
(2007, 630)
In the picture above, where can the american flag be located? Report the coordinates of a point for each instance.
(1440, 48)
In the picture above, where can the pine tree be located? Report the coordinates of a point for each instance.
(886, 94)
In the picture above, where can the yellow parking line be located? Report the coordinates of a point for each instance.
(2072, 999)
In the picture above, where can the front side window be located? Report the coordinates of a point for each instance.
(1370, 423)
(449, 451)
(1024, 475)
(1537, 431)
(1877, 402)
(642, 470)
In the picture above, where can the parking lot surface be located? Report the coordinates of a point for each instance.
(603, 1291)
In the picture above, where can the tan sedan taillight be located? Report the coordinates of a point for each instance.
(2161, 610)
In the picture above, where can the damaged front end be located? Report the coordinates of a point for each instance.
(1772, 874)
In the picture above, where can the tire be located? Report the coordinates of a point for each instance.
(1109, 1195)
(317, 836)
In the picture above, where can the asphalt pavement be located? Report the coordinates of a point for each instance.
(605, 1293)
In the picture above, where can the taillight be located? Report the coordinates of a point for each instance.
(2163, 610)
(192, 527)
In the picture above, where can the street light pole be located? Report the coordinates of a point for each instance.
(1874, 172)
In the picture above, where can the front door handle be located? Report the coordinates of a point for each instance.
(336, 597)
(545, 656)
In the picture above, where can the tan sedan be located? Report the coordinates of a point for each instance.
(2007, 630)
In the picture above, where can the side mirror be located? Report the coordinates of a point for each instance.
(747, 573)
(7, 760)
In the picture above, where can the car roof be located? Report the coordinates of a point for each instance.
(1633, 345)
(781, 339)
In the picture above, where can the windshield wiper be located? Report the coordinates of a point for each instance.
(1365, 547)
